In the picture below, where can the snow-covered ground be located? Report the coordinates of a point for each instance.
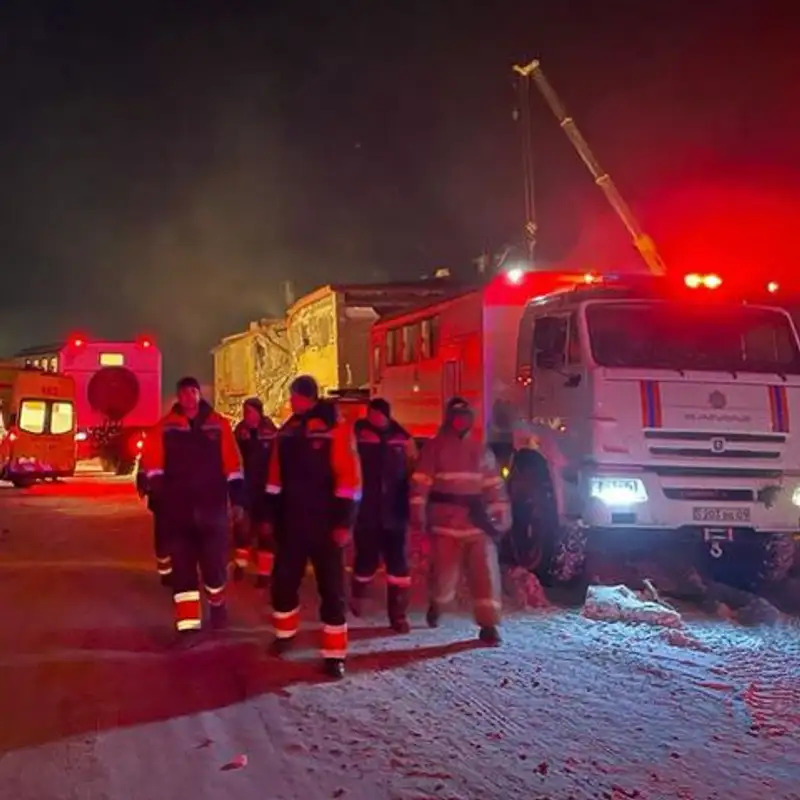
(569, 707)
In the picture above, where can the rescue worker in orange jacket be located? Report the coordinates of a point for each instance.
(255, 435)
(458, 496)
(314, 485)
(192, 464)
(387, 453)
(160, 540)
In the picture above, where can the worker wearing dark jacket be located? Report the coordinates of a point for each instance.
(314, 485)
(192, 464)
(255, 435)
(387, 454)
(160, 541)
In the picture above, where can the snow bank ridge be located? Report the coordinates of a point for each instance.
(622, 604)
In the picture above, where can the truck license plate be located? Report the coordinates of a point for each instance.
(707, 514)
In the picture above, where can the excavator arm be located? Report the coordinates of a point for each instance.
(643, 243)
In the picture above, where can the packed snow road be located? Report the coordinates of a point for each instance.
(92, 704)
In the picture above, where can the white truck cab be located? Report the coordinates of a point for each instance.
(654, 409)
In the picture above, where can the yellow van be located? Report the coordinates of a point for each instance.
(37, 425)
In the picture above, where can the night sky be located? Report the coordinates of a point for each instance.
(165, 166)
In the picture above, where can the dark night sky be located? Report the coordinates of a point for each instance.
(166, 169)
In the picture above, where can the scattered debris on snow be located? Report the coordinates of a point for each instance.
(680, 638)
(622, 604)
(523, 589)
(235, 763)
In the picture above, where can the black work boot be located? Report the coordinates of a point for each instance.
(262, 581)
(490, 636)
(278, 647)
(333, 668)
(358, 593)
(397, 607)
(218, 616)
(433, 615)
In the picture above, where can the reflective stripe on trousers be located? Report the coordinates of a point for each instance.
(188, 611)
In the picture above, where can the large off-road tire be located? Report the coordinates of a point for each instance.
(778, 556)
(537, 541)
(125, 467)
(22, 481)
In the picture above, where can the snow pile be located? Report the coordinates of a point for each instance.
(621, 604)
(523, 588)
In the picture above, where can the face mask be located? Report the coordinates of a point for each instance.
(461, 423)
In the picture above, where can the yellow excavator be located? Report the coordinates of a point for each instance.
(643, 243)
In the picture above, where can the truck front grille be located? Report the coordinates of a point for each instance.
(712, 445)
(712, 495)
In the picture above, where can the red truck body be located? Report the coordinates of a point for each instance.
(464, 345)
(117, 393)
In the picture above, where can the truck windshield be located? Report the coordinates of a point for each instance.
(669, 335)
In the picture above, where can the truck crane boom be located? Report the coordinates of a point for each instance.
(643, 243)
(523, 117)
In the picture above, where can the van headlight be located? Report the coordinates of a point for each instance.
(618, 491)
(796, 496)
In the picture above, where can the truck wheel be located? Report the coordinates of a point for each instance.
(125, 468)
(778, 555)
(108, 464)
(21, 482)
(537, 541)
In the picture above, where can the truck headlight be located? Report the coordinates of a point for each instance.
(618, 491)
(796, 496)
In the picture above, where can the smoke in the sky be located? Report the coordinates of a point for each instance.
(168, 174)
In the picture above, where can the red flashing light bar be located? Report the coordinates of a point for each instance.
(695, 281)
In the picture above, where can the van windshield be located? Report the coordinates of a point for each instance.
(671, 335)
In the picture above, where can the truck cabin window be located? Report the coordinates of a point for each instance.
(675, 336)
(550, 342)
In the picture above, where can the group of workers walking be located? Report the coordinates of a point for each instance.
(300, 493)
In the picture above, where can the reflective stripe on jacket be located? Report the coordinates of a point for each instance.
(452, 476)
(192, 465)
(314, 476)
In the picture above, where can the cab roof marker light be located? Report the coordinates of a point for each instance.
(712, 281)
(773, 287)
(515, 275)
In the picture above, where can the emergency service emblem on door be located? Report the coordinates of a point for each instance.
(718, 401)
